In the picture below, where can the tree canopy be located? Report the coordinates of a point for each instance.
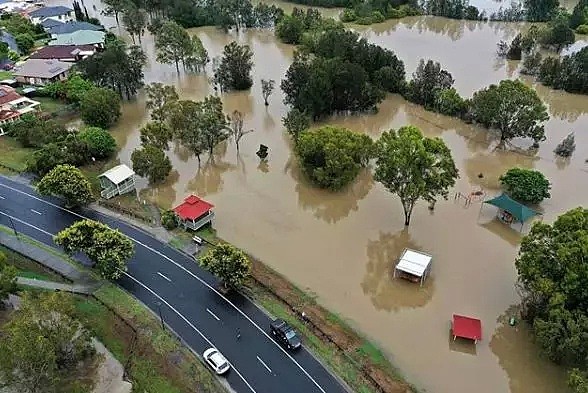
(101, 143)
(512, 108)
(100, 107)
(69, 183)
(234, 70)
(135, 21)
(151, 162)
(331, 157)
(160, 99)
(228, 263)
(414, 167)
(427, 82)
(107, 248)
(525, 185)
(173, 44)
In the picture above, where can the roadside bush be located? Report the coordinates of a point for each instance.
(582, 29)
(525, 185)
(332, 156)
(100, 143)
(168, 220)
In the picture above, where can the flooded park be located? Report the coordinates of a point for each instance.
(342, 247)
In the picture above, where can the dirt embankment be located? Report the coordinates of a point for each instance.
(330, 329)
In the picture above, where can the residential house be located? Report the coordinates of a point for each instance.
(50, 23)
(80, 37)
(194, 213)
(68, 53)
(41, 71)
(72, 27)
(13, 105)
(59, 13)
(117, 181)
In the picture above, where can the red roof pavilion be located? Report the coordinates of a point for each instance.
(192, 208)
(466, 327)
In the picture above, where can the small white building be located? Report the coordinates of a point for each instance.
(413, 265)
(117, 181)
(58, 13)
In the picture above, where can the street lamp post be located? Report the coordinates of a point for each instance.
(13, 227)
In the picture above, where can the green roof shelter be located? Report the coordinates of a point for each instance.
(511, 210)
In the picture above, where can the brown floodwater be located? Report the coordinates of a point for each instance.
(342, 246)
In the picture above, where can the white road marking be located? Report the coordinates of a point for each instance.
(264, 365)
(188, 322)
(164, 276)
(27, 224)
(213, 315)
(1, 197)
(36, 212)
(188, 272)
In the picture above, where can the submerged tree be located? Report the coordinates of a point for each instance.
(566, 147)
(160, 99)
(173, 44)
(296, 122)
(267, 88)
(525, 185)
(135, 21)
(234, 70)
(151, 162)
(237, 127)
(414, 167)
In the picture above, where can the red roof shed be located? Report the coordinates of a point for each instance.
(467, 327)
(192, 208)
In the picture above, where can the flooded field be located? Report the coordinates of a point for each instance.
(342, 246)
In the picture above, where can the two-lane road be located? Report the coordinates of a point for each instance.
(164, 278)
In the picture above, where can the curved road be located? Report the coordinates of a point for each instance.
(167, 280)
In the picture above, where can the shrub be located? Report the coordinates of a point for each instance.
(348, 15)
(525, 185)
(168, 220)
(100, 143)
(582, 29)
(450, 103)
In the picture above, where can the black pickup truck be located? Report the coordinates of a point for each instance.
(285, 334)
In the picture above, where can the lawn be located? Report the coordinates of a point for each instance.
(12, 155)
(30, 269)
(5, 75)
(156, 360)
(51, 105)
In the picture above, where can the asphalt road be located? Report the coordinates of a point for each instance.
(168, 280)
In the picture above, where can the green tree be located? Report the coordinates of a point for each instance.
(100, 143)
(213, 122)
(25, 42)
(69, 183)
(525, 185)
(152, 163)
(198, 57)
(107, 248)
(115, 8)
(135, 21)
(512, 108)
(296, 122)
(332, 156)
(32, 131)
(541, 10)
(414, 167)
(72, 150)
(553, 278)
(160, 99)
(72, 89)
(157, 134)
(427, 82)
(267, 88)
(228, 263)
(117, 67)
(234, 71)
(290, 29)
(7, 278)
(450, 103)
(100, 108)
(173, 44)
(185, 124)
(42, 343)
(557, 34)
(169, 220)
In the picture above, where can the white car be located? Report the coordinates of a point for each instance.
(216, 360)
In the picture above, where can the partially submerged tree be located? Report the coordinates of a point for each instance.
(296, 122)
(100, 108)
(414, 167)
(173, 44)
(512, 108)
(107, 248)
(228, 263)
(267, 88)
(151, 162)
(160, 99)
(237, 127)
(566, 147)
(135, 21)
(185, 124)
(69, 183)
(427, 81)
(157, 134)
(332, 156)
(525, 185)
(234, 71)
(212, 122)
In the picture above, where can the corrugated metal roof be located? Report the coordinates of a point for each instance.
(414, 262)
(47, 12)
(80, 37)
(42, 68)
(118, 174)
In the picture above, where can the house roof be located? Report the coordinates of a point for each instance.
(118, 174)
(8, 94)
(47, 12)
(50, 23)
(80, 37)
(467, 327)
(73, 26)
(192, 208)
(61, 51)
(414, 262)
(519, 211)
(42, 68)
(6, 114)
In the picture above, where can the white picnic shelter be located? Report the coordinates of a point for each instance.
(414, 263)
(117, 181)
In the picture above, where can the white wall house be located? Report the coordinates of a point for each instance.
(58, 13)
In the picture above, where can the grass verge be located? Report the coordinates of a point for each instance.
(13, 157)
(30, 269)
(155, 360)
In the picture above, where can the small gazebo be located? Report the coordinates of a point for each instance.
(511, 211)
(117, 181)
(194, 213)
(413, 265)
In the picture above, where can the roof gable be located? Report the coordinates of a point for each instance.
(47, 12)
(192, 208)
(118, 174)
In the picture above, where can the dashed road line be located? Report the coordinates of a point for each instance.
(264, 365)
(36, 212)
(213, 314)
(164, 276)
